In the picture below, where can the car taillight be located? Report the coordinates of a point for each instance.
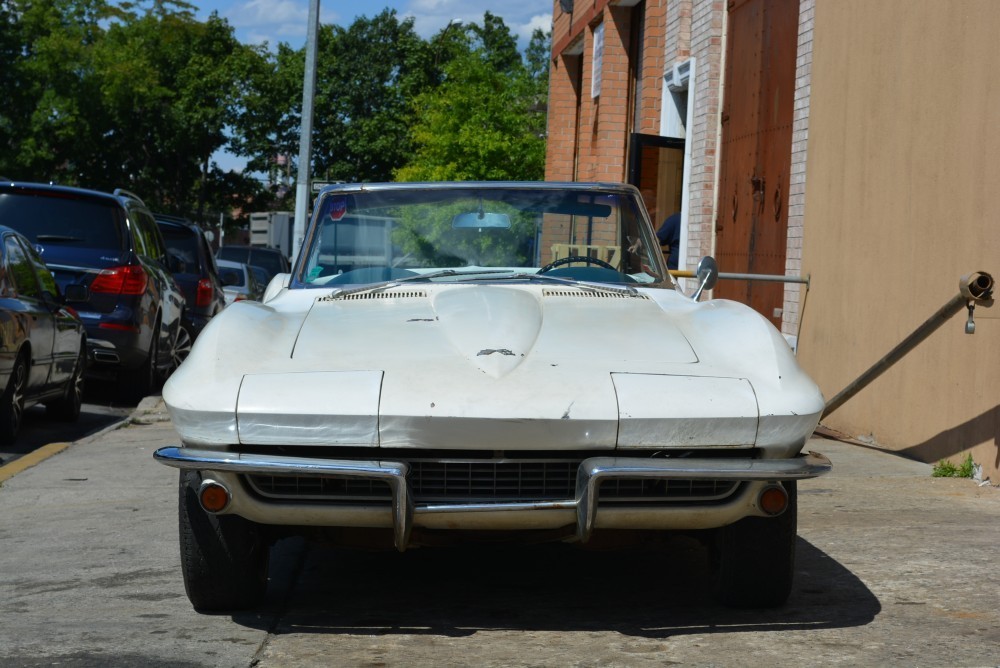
(204, 295)
(127, 280)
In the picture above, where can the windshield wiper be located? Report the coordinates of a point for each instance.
(584, 285)
(385, 285)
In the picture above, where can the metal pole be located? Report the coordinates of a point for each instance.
(973, 289)
(767, 278)
(305, 139)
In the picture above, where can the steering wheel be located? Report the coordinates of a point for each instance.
(575, 258)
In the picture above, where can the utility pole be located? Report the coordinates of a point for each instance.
(305, 140)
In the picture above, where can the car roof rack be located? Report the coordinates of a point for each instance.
(121, 192)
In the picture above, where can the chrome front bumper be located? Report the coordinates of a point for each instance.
(590, 474)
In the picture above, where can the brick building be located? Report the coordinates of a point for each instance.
(841, 140)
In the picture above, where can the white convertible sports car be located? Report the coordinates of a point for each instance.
(453, 359)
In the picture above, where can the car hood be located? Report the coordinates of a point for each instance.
(492, 367)
(491, 331)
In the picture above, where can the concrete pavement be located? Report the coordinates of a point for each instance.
(89, 557)
(894, 568)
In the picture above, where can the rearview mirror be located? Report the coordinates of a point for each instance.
(474, 219)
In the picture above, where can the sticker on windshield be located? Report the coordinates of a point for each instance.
(338, 207)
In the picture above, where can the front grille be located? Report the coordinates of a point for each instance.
(483, 481)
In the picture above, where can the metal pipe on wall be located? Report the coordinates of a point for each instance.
(974, 289)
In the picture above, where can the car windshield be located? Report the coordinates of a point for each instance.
(459, 232)
(61, 219)
(182, 244)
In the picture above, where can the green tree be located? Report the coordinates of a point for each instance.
(367, 76)
(115, 96)
(267, 121)
(170, 86)
(49, 84)
(486, 121)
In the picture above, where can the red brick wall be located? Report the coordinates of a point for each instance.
(654, 41)
(562, 129)
(593, 145)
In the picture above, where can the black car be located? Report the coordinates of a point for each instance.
(42, 341)
(272, 260)
(110, 243)
(196, 273)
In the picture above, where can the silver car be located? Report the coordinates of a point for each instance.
(239, 282)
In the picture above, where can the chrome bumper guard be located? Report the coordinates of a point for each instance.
(589, 476)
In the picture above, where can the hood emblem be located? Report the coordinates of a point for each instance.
(495, 351)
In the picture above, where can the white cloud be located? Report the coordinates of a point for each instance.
(542, 22)
(430, 16)
(257, 13)
(274, 21)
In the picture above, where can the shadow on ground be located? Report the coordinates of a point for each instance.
(101, 409)
(456, 592)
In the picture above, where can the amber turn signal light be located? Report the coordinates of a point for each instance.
(214, 497)
(773, 499)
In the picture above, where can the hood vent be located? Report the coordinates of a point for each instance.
(590, 294)
(370, 295)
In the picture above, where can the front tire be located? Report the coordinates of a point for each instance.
(223, 557)
(12, 401)
(754, 559)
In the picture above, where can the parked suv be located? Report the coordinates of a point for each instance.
(110, 243)
(197, 275)
(271, 260)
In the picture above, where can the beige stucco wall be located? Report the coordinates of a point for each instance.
(902, 197)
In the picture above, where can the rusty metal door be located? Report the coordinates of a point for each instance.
(758, 101)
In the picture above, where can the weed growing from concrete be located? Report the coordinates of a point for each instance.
(945, 469)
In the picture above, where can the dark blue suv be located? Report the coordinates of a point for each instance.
(196, 273)
(110, 243)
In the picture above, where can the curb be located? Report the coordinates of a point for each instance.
(149, 411)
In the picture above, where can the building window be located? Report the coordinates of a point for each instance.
(598, 61)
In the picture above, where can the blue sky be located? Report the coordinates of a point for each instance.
(276, 21)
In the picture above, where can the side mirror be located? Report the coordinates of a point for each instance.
(75, 292)
(707, 274)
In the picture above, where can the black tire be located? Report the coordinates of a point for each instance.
(754, 559)
(141, 381)
(12, 401)
(67, 408)
(223, 557)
